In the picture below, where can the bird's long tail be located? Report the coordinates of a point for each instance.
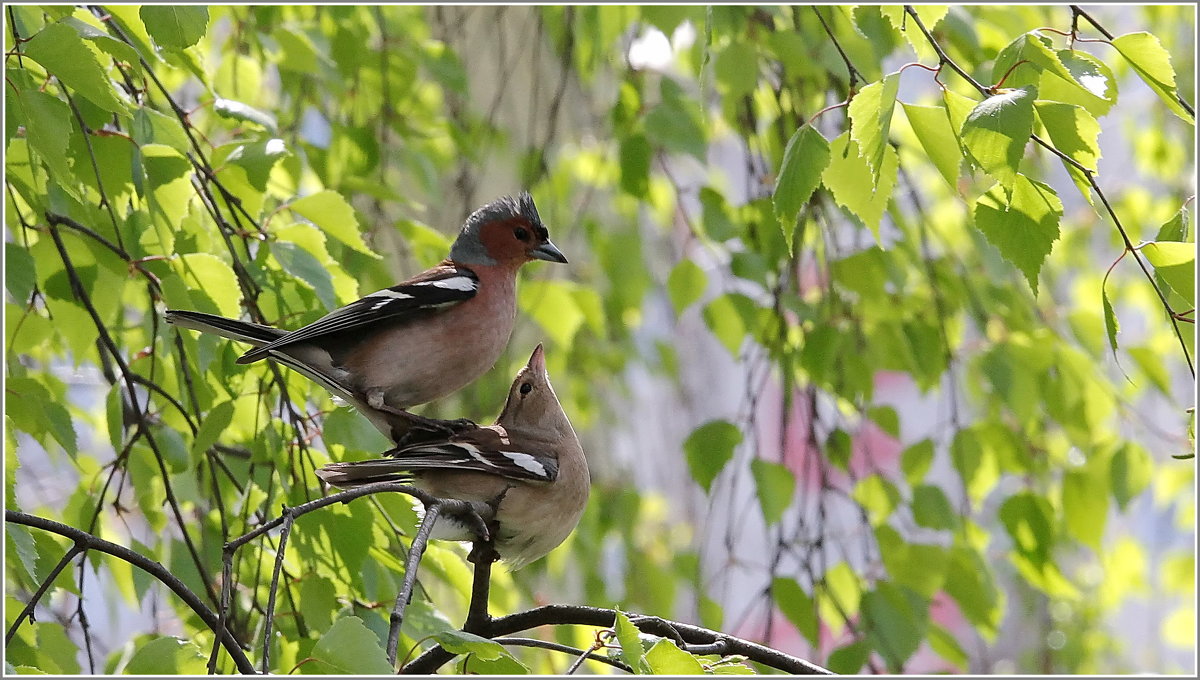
(243, 331)
(348, 475)
(259, 335)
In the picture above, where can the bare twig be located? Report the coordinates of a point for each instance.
(415, 551)
(855, 76)
(269, 618)
(91, 542)
(582, 654)
(41, 590)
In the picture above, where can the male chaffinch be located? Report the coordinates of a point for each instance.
(419, 340)
(528, 468)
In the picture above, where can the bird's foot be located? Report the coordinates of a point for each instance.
(409, 428)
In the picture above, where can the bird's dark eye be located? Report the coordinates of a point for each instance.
(526, 388)
(521, 234)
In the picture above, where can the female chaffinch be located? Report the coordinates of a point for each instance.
(419, 340)
(528, 468)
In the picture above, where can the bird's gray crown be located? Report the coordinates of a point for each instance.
(469, 249)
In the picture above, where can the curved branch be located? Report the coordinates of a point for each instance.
(91, 542)
(560, 615)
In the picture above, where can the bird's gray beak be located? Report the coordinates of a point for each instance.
(548, 252)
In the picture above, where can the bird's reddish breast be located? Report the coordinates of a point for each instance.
(414, 363)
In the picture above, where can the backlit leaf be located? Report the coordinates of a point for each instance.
(1024, 227)
(996, 131)
(709, 448)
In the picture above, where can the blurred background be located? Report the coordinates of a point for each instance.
(865, 442)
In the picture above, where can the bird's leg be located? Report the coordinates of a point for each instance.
(406, 425)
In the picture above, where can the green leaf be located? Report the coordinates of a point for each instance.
(1073, 130)
(318, 603)
(916, 460)
(462, 642)
(235, 110)
(804, 159)
(841, 585)
(975, 463)
(775, 484)
(686, 284)
(1111, 326)
(849, 659)
(897, 618)
(1176, 228)
(502, 666)
(329, 211)
(210, 276)
(919, 566)
(1028, 518)
(553, 305)
(1176, 263)
(257, 158)
(1152, 62)
(1034, 49)
(60, 49)
(1131, 472)
(211, 428)
(167, 656)
(725, 321)
(667, 17)
(664, 658)
(1023, 228)
(709, 448)
(630, 640)
(301, 264)
(797, 606)
(349, 647)
(20, 276)
(996, 131)
(969, 581)
(1085, 501)
(878, 496)
(20, 543)
(1091, 85)
(634, 157)
(34, 410)
(48, 129)
(931, 124)
(736, 69)
(944, 644)
(677, 123)
(870, 114)
(177, 26)
(853, 184)
(932, 509)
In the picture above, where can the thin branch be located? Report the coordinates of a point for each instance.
(415, 551)
(558, 614)
(434, 506)
(45, 585)
(111, 346)
(147, 565)
(1087, 173)
(1129, 247)
(855, 76)
(566, 649)
(269, 617)
(942, 57)
(449, 505)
